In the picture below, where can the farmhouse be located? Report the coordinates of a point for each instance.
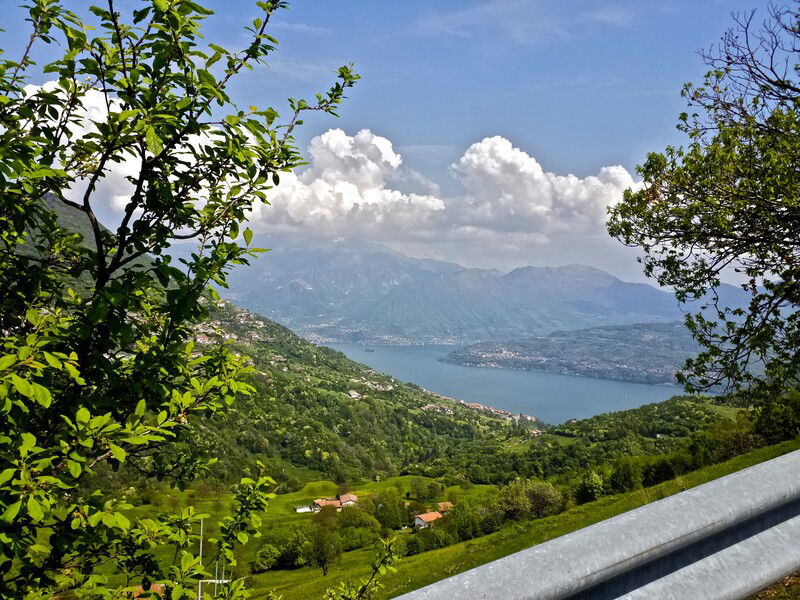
(348, 499)
(340, 501)
(425, 519)
(320, 503)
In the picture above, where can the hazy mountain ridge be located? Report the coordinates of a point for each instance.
(368, 293)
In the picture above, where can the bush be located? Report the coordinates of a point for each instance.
(625, 476)
(266, 558)
(513, 500)
(590, 489)
(544, 498)
(779, 419)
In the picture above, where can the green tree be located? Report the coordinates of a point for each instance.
(513, 500)
(625, 476)
(98, 366)
(419, 489)
(730, 202)
(544, 498)
(779, 419)
(590, 488)
(324, 547)
(389, 510)
(266, 558)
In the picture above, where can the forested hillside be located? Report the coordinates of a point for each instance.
(317, 414)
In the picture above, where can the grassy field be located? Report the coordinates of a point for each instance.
(415, 571)
(422, 569)
(281, 514)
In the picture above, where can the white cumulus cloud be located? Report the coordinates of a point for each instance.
(356, 186)
(510, 210)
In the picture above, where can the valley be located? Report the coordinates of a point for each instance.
(553, 397)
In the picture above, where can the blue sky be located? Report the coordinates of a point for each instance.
(579, 84)
(573, 85)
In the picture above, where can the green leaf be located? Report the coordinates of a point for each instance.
(6, 475)
(33, 317)
(248, 235)
(28, 442)
(52, 360)
(22, 386)
(35, 509)
(11, 511)
(152, 141)
(42, 395)
(117, 452)
(140, 408)
(122, 521)
(6, 361)
(109, 520)
(161, 5)
(83, 415)
(73, 372)
(74, 468)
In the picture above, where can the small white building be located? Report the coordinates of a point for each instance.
(303, 509)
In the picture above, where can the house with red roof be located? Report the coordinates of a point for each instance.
(444, 506)
(425, 519)
(320, 503)
(348, 499)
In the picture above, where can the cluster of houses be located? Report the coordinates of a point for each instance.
(498, 412)
(339, 502)
(423, 520)
(442, 410)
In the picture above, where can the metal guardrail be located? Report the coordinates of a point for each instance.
(725, 539)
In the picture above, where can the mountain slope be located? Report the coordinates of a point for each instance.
(368, 293)
(316, 414)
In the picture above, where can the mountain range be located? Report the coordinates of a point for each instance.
(368, 293)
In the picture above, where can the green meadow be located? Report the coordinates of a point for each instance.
(415, 571)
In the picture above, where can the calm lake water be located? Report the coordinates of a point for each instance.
(551, 398)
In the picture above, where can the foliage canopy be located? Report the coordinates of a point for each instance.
(730, 202)
(97, 362)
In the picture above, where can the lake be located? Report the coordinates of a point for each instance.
(546, 396)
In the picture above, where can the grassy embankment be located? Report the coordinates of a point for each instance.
(422, 569)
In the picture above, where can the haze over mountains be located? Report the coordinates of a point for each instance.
(368, 293)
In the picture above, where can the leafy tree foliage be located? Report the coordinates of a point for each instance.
(625, 476)
(324, 546)
(97, 365)
(591, 488)
(545, 499)
(730, 201)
